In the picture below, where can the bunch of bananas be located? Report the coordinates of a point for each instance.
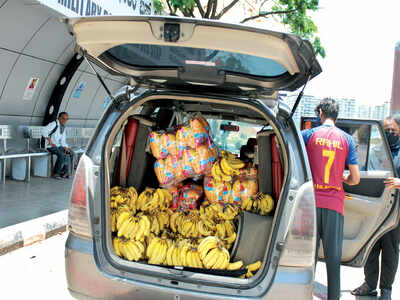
(213, 254)
(216, 211)
(115, 214)
(261, 204)
(123, 196)
(159, 221)
(157, 250)
(226, 167)
(151, 200)
(197, 238)
(251, 269)
(136, 228)
(128, 248)
(210, 220)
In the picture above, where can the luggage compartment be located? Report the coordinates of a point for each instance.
(196, 190)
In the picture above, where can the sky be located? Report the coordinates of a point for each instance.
(359, 38)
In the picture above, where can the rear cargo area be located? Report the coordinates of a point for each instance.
(194, 187)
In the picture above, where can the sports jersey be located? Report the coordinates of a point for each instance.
(329, 150)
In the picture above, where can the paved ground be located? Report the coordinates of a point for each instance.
(21, 201)
(37, 272)
(350, 279)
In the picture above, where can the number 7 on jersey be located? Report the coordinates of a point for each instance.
(331, 157)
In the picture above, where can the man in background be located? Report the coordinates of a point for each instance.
(55, 143)
(329, 150)
(388, 244)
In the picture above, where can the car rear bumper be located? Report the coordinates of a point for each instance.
(85, 281)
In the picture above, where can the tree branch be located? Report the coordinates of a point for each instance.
(214, 10)
(169, 7)
(226, 8)
(199, 7)
(267, 14)
(209, 5)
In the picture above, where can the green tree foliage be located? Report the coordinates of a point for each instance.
(292, 13)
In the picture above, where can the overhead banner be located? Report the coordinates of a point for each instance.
(86, 8)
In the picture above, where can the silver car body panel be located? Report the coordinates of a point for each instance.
(85, 281)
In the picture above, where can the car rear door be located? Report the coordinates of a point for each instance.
(370, 209)
(181, 52)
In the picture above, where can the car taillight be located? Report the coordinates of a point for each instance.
(299, 249)
(78, 220)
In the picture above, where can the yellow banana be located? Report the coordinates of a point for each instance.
(116, 242)
(214, 174)
(121, 218)
(170, 251)
(197, 259)
(152, 246)
(176, 257)
(235, 266)
(254, 266)
(172, 221)
(230, 239)
(139, 234)
(155, 226)
(184, 255)
(123, 229)
(130, 255)
(226, 168)
(211, 258)
(220, 231)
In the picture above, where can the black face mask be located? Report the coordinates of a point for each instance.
(392, 139)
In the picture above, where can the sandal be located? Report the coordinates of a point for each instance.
(364, 290)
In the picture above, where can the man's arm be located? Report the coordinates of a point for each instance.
(353, 178)
(64, 142)
(46, 131)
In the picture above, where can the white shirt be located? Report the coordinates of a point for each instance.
(57, 138)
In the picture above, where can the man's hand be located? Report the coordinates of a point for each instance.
(392, 183)
(67, 150)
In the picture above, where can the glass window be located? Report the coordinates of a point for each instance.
(154, 56)
(369, 147)
(378, 157)
(232, 140)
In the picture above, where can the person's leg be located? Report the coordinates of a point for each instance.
(332, 240)
(319, 235)
(371, 268)
(65, 172)
(390, 258)
(60, 159)
(371, 273)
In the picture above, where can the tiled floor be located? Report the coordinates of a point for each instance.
(21, 201)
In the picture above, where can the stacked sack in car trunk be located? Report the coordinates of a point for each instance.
(190, 219)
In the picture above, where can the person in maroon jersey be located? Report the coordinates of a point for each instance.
(329, 151)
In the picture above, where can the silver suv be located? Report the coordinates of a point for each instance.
(231, 75)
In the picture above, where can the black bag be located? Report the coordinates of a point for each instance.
(43, 139)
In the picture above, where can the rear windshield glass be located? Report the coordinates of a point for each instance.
(154, 56)
(232, 141)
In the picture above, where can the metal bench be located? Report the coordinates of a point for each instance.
(33, 156)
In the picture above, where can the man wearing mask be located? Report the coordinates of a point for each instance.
(55, 143)
(387, 245)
